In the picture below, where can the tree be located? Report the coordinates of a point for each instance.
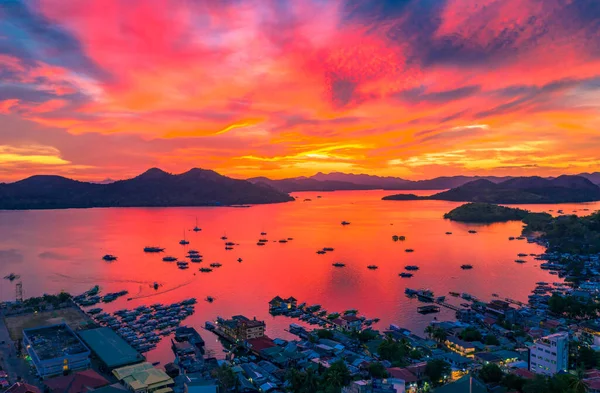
(440, 335)
(302, 381)
(377, 370)
(437, 370)
(491, 340)
(324, 333)
(336, 376)
(513, 382)
(392, 350)
(226, 378)
(587, 357)
(491, 373)
(470, 334)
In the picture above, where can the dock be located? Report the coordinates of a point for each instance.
(448, 305)
(428, 309)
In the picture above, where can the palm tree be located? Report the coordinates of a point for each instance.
(429, 330)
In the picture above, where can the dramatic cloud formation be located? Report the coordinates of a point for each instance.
(413, 88)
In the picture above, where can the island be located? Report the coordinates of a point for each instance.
(485, 213)
(519, 190)
(153, 188)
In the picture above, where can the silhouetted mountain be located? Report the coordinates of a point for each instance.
(593, 177)
(154, 187)
(347, 181)
(520, 190)
(307, 184)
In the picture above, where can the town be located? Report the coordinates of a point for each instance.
(550, 345)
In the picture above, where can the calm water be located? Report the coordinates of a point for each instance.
(62, 250)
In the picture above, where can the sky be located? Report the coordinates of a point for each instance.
(101, 89)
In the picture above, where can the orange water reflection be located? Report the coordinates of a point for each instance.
(62, 250)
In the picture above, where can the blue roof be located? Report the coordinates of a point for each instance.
(112, 350)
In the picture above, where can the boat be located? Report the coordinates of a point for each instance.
(425, 295)
(321, 252)
(372, 267)
(440, 299)
(410, 292)
(263, 233)
(345, 223)
(338, 264)
(230, 244)
(467, 305)
(153, 249)
(283, 241)
(429, 309)
(466, 296)
(327, 249)
(11, 276)
(405, 275)
(169, 259)
(196, 260)
(263, 240)
(193, 252)
(183, 242)
(466, 266)
(210, 299)
(409, 250)
(455, 294)
(511, 238)
(448, 233)
(290, 238)
(494, 294)
(520, 261)
(223, 237)
(155, 285)
(472, 231)
(521, 254)
(228, 248)
(197, 228)
(109, 258)
(94, 311)
(521, 238)
(216, 264)
(411, 267)
(240, 260)
(260, 244)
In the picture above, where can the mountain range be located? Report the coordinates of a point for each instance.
(344, 181)
(197, 187)
(524, 190)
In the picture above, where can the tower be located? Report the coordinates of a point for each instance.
(19, 291)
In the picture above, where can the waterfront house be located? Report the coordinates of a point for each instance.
(459, 346)
(240, 328)
(348, 322)
(144, 378)
(278, 303)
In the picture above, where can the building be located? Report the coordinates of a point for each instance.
(549, 355)
(463, 385)
(21, 387)
(278, 303)
(348, 322)
(144, 378)
(55, 350)
(387, 385)
(110, 348)
(78, 382)
(461, 347)
(240, 328)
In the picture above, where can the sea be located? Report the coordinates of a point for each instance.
(61, 250)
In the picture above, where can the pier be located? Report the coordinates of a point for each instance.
(448, 305)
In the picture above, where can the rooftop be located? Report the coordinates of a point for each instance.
(79, 382)
(112, 350)
(55, 341)
(141, 375)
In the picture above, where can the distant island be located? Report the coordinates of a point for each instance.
(347, 181)
(564, 234)
(153, 188)
(518, 190)
(485, 213)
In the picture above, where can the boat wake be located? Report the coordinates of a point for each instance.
(156, 293)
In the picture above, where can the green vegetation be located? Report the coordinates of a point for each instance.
(573, 307)
(437, 371)
(485, 213)
(324, 333)
(41, 303)
(394, 351)
(569, 234)
(587, 357)
(470, 334)
(327, 381)
(437, 334)
(226, 378)
(491, 373)
(560, 383)
(377, 370)
(491, 340)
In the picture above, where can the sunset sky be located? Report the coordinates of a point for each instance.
(279, 88)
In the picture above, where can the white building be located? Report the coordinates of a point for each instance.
(549, 355)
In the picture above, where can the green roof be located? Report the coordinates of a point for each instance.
(112, 350)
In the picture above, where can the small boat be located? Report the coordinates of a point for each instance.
(327, 249)
(230, 244)
(372, 267)
(466, 296)
(223, 237)
(345, 223)
(239, 260)
(183, 241)
(169, 259)
(94, 311)
(338, 264)
(153, 249)
(155, 285)
(511, 238)
(472, 231)
(520, 261)
(263, 233)
(283, 241)
(210, 299)
(410, 292)
(440, 299)
(428, 309)
(522, 254)
(228, 248)
(196, 260)
(197, 228)
(109, 258)
(466, 266)
(411, 267)
(290, 238)
(263, 240)
(216, 264)
(494, 294)
(321, 252)
(521, 238)
(467, 305)
(448, 233)
(205, 269)
(425, 295)
(183, 267)
(260, 244)
(409, 250)
(193, 252)
(405, 275)
(455, 294)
